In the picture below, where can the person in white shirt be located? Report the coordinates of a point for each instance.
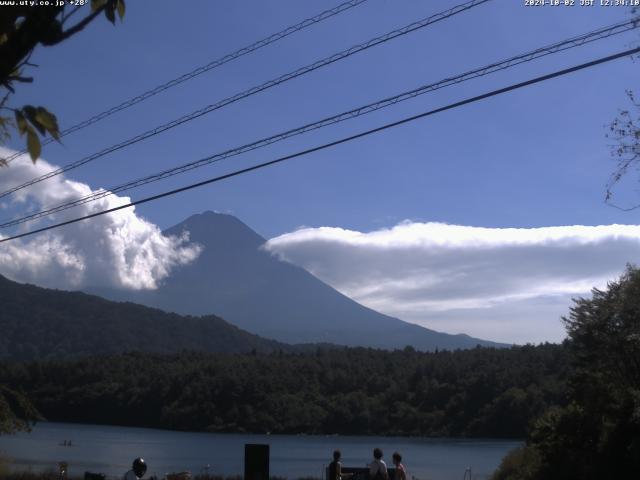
(138, 469)
(377, 468)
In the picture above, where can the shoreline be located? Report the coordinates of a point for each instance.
(282, 435)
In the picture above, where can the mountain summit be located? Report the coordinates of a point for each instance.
(237, 280)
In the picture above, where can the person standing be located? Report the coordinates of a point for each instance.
(138, 469)
(335, 468)
(377, 468)
(401, 473)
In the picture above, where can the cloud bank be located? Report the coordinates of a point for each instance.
(506, 284)
(119, 249)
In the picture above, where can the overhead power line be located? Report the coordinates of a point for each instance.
(366, 133)
(252, 91)
(567, 44)
(203, 69)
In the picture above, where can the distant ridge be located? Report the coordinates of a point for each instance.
(43, 323)
(236, 279)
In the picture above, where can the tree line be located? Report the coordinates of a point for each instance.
(482, 392)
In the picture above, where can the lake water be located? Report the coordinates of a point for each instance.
(110, 450)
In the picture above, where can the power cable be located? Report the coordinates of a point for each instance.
(252, 91)
(572, 42)
(259, 166)
(202, 69)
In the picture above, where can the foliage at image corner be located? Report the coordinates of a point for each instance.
(624, 132)
(22, 29)
(597, 434)
(17, 413)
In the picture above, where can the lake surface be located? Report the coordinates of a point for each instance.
(110, 450)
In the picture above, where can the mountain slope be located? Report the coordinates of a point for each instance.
(236, 279)
(38, 322)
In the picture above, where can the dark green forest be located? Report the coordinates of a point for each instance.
(482, 392)
(577, 404)
(39, 323)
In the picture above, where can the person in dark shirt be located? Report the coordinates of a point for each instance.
(139, 468)
(335, 468)
(401, 473)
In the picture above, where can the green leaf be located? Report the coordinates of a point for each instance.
(110, 11)
(21, 122)
(46, 118)
(96, 4)
(49, 121)
(3, 162)
(38, 126)
(121, 9)
(33, 144)
(30, 112)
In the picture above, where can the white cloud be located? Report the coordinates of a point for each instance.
(119, 249)
(507, 284)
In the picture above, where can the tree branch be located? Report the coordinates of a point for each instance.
(4, 99)
(70, 14)
(78, 27)
(25, 38)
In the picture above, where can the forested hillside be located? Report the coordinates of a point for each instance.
(38, 323)
(482, 392)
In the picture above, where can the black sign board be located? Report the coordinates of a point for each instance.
(256, 462)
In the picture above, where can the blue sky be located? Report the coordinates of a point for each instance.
(534, 157)
(537, 157)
